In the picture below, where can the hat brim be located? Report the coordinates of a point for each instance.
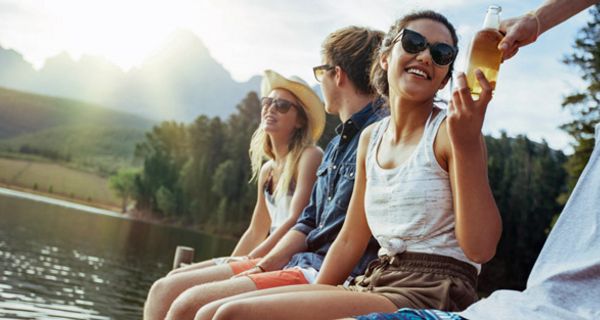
(311, 102)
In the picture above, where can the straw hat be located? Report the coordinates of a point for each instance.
(313, 106)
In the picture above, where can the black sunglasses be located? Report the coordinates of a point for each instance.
(413, 42)
(319, 71)
(281, 105)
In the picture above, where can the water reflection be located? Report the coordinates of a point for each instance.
(59, 263)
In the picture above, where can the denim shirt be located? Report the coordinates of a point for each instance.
(323, 218)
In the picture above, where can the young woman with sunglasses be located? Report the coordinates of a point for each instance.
(421, 190)
(292, 120)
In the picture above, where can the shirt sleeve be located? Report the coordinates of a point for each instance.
(308, 219)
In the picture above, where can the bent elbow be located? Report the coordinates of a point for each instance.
(480, 256)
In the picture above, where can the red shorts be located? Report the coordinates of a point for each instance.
(279, 278)
(240, 266)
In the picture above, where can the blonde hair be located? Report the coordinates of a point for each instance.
(261, 149)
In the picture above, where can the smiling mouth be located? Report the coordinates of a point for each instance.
(419, 73)
(269, 119)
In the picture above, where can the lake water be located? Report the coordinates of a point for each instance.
(60, 262)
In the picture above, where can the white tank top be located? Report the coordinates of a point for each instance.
(409, 208)
(279, 209)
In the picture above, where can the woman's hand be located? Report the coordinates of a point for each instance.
(465, 115)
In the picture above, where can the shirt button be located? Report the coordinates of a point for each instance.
(344, 136)
(349, 121)
(321, 225)
(334, 167)
(329, 198)
(351, 174)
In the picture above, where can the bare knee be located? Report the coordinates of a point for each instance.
(232, 310)
(158, 299)
(184, 307)
(161, 292)
(188, 303)
(208, 311)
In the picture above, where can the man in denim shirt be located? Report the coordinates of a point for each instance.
(298, 256)
(322, 219)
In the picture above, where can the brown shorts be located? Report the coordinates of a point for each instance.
(421, 281)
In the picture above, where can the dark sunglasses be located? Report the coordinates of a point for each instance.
(413, 42)
(281, 105)
(319, 71)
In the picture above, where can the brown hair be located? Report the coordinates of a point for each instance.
(353, 49)
(379, 78)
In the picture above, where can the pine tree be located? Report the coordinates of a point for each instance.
(584, 105)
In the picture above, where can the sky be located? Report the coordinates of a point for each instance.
(247, 37)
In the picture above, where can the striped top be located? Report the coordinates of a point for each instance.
(409, 207)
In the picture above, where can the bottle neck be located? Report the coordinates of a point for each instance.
(492, 19)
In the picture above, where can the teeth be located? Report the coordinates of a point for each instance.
(418, 72)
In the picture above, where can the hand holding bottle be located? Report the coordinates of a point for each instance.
(465, 115)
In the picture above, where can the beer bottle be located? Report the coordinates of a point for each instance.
(484, 53)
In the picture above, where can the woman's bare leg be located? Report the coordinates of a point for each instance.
(193, 266)
(319, 304)
(296, 302)
(188, 303)
(164, 291)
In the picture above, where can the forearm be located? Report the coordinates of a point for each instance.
(553, 12)
(293, 242)
(272, 240)
(249, 240)
(478, 223)
(341, 258)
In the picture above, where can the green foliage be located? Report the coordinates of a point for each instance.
(123, 185)
(584, 105)
(102, 149)
(526, 179)
(200, 173)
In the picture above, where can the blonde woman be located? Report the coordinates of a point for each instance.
(292, 120)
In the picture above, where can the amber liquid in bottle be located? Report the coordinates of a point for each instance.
(484, 54)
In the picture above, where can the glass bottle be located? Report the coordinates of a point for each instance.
(484, 53)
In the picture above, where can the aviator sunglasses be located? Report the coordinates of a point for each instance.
(281, 105)
(413, 42)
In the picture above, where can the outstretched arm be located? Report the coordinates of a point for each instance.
(523, 30)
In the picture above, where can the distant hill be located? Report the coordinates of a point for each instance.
(86, 135)
(22, 113)
(180, 81)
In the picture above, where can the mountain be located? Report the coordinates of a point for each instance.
(179, 81)
(24, 113)
(88, 135)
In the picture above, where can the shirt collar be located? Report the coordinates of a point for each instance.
(356, 121)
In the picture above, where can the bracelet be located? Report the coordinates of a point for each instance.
(261, 268)
(537, 20)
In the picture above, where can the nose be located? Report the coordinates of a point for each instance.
(269, 107)
(425, 56)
